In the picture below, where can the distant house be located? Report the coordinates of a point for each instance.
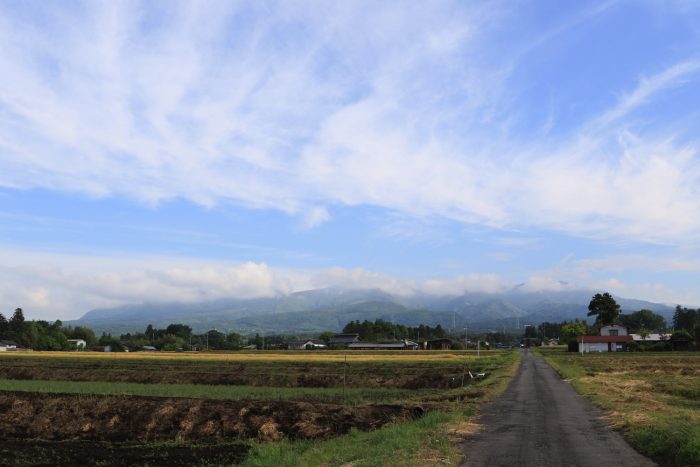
(250, 347)
(439, 344)
(309, 344)
(103, 348)
(80, 344)
(400, 345)
(613, 338)
(343, 340)
(7, 345)
(149, 348)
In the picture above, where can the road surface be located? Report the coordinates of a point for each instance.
(541, 421)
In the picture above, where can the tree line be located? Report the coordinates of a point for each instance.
(41, 335)
(686, 319)
(384, 330)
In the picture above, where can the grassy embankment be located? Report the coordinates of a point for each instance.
(653, 397)
(427, 441)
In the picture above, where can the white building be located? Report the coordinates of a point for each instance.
(7, 345)
(309, 344)
(613, 338)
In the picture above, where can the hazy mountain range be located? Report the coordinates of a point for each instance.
(330, 309)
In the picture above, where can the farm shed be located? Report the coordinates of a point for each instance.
(682, 344)
(342, 340)
(401, 345)
(439, 344)
(651, 338)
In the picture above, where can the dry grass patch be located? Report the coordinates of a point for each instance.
(626, 391)
(458, 431)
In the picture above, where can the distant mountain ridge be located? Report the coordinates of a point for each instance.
(330, 309)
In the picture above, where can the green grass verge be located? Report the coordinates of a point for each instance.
(415, 443)
(200, 391)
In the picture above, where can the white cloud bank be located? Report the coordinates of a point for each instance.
(60, 286)
(409, 108)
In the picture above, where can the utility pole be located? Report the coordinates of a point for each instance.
(544, 334)
(466, 338)
(345, 366)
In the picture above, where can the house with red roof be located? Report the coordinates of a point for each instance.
(613, 338)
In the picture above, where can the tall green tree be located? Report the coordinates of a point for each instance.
(4, 325)
(604, 308)
(180, 330)
(17, 324)
(686, 319)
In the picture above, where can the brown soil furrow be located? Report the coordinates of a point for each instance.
(147, 419)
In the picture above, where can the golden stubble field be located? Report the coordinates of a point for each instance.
(291, 356)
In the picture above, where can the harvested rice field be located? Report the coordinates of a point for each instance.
(236, 408)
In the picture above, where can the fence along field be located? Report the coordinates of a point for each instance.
(238, 408)
(653, 397)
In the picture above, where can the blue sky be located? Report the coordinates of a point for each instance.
(196, 150)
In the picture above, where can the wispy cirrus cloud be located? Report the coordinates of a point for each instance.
(412, 108)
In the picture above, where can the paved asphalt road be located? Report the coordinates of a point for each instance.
(541, 421)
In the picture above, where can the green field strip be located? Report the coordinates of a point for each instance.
(202, 391)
